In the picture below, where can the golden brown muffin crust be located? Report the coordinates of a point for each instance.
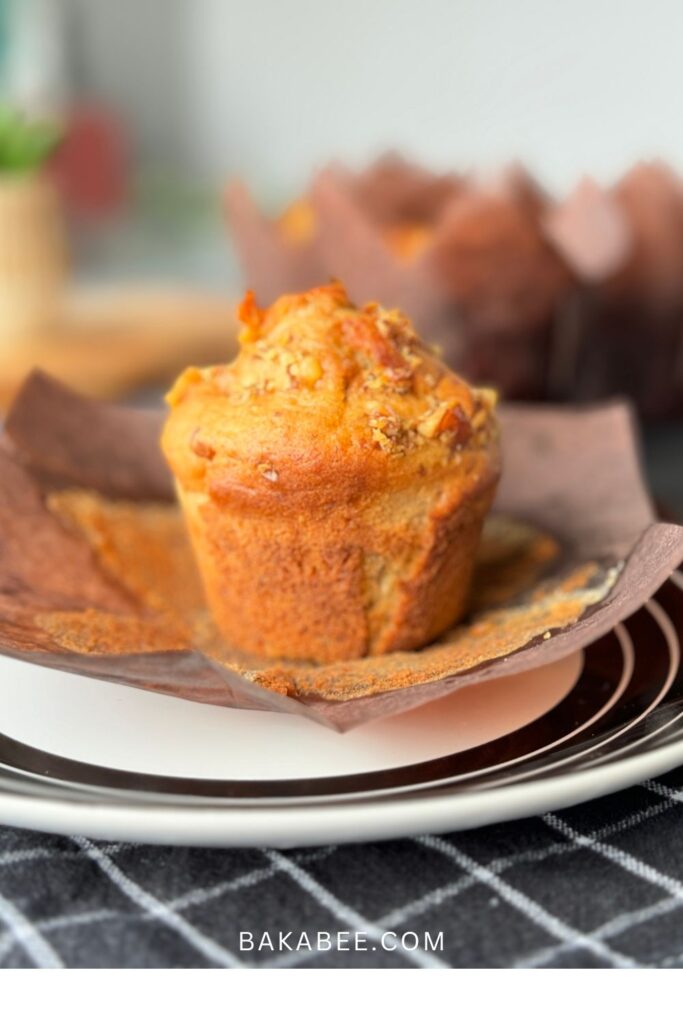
(334, 479)
(322, 393)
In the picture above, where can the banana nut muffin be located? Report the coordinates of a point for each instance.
(334, 479)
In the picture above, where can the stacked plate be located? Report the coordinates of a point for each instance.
(82, 756)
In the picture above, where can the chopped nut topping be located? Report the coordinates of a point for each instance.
(364, 361)
(479, 418)
(266, 470)
(386, 427)
(382, 441)
(201, 448)
(308, 370)
(445, 417)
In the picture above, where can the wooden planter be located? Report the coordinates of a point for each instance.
(33, 259)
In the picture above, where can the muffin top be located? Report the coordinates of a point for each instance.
(325, 398)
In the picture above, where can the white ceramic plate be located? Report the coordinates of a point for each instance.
(79, 755)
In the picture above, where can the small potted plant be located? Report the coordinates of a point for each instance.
(32, 237)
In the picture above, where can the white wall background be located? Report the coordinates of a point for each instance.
(268, 88)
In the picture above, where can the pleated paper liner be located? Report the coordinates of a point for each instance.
(469, 263)
(97, 578)
(574, 299)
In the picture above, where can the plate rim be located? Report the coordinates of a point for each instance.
(342, 822)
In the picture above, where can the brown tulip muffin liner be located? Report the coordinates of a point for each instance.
(272, 264)
(97, 577)
(625, 351)
(573, 300)
(484, 284)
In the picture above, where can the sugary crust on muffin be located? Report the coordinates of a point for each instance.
(323, 401)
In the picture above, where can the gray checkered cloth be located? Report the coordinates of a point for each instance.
(600, 885)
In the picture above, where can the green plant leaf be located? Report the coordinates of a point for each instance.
(25, 144)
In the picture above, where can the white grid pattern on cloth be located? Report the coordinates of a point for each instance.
(36, 945)
(213, 951)
(636, 866)
(619, 857)
(255, 877)
(194, 897)
(437, 897)
(51, 924)
(35, 853)
(610, 930)
(341, 911)
(536, 913)
(665, 791)
(22, 932)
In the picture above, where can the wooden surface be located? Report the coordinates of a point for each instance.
(109, 343)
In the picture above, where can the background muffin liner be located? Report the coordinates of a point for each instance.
(487, 287)
(573, 300)
(96, 576)
(622, 331)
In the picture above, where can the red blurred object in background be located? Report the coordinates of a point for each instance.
(91, 165)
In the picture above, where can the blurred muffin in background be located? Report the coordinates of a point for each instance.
(625, 245)
(277, 255)
(467, 261)
(545, 299)
(505, 284)
(399, 201)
